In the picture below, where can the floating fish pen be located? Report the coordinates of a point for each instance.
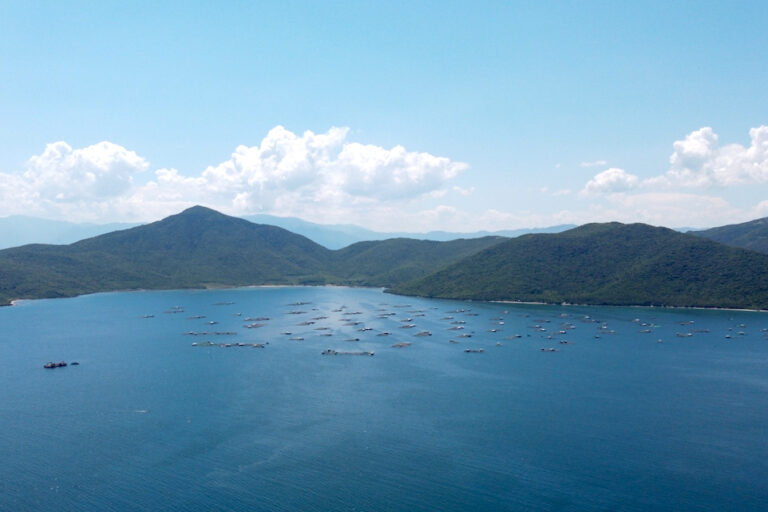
(331, 352)
(228, 345)
(211, 333)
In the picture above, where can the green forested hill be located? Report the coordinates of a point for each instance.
(595, 264)
(395, 261)
(198, 247)
(606, 264)
(201, 247)
(747, 235)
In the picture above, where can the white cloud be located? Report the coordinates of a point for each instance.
(288, 171)
(63, 180)
(326, 178)
(610, 181)
(699, 161)
(596, 163)
(99, 171)
(464, 191)
(285, 174)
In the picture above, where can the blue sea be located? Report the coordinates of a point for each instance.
(201, 400)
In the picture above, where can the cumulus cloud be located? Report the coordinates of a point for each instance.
(76, 178)
(287, 170)
(596, 163)
(610, 181)
(286, 173)
(697, 161)
(326, 166)
(99, 171)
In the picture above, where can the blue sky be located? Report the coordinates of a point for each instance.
(392, 115)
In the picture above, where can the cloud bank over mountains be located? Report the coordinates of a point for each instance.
(325, 177)
(287, 174)
(698, 161)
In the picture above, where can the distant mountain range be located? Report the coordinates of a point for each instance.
(336, 236)
(21, 230)
(594, 264)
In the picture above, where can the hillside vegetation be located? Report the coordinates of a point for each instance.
(606, 264)
(204, 248)
(593, 264)
(747, 235)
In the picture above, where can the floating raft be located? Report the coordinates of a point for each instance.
(331, 352)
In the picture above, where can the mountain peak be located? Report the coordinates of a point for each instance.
(198, 210)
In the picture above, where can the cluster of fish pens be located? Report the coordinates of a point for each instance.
(458, 326)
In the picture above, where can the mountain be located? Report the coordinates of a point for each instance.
(389, 262)
(337, 236)
(595, 264)
(200, 247)
(747, 235)
(19, 230)
(613, 263)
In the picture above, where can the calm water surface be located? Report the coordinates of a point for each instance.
(613, 420)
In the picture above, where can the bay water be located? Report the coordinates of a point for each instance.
(224, 400)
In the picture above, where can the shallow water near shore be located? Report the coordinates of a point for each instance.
(160, 414)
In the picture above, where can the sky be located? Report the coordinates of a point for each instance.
(395, 116)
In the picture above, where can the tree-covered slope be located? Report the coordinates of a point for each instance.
(198, 247)
(606, 264)
(747, 235)
(395, 261)
(201, 247)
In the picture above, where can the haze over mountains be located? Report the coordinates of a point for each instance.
(596, 264)
(20, 230)
(17, 230)
(336, 236)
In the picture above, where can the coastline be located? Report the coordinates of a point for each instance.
(703, 308)
(15, 302)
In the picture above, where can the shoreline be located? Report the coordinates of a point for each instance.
(703, 308)
(15, 302)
